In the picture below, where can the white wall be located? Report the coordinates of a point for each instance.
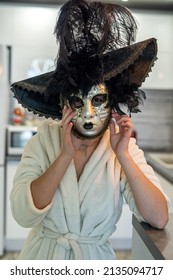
(158, 26)
(29, 30)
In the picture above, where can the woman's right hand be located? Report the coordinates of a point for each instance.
(70, 142)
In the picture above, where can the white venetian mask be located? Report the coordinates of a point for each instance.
(92, 116)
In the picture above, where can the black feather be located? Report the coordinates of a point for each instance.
(92, 28)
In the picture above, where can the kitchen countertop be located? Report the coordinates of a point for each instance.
(162, 170)
(159, 242)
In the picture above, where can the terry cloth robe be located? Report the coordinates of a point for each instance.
(84, 212)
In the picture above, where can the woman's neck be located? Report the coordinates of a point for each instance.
(88, 146)
(90, 142)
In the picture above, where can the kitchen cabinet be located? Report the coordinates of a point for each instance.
(15, 235)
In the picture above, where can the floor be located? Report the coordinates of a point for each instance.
(121, 255)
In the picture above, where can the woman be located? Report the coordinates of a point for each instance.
(74, 173)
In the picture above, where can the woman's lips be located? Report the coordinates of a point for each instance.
(88, 126)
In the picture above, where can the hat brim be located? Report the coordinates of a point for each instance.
(30, 94)
(141, 56)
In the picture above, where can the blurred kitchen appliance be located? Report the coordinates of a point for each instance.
(17, 137)
(5, 70)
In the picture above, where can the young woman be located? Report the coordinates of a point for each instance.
(74, 173)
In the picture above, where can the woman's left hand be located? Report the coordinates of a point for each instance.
(120, 139)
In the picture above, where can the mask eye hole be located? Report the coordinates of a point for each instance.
(75, 102)
(99, 99)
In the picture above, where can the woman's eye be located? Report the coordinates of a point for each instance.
(99, 99)
(76, 102)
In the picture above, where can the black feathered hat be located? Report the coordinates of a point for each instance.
(96, 45)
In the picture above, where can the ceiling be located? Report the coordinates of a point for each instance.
(162, 5)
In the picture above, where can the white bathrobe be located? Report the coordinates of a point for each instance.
(84, 212)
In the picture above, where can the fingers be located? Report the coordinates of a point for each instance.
(66, 123)
(112, 127)
(68, 114)
(116, 116)
(70, 142)
(123, 121)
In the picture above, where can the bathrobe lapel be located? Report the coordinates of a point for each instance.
(98, 159)
(70, 195)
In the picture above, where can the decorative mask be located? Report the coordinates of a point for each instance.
(92, 114)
